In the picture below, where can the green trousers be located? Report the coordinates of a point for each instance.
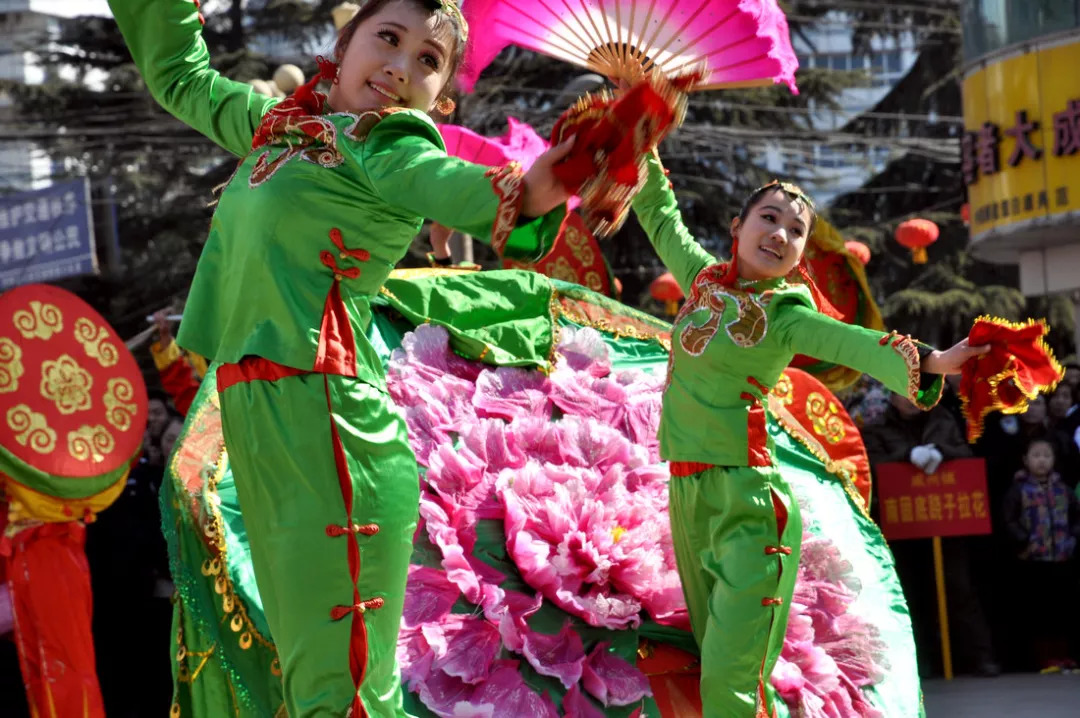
(328, 490)
(737, 534)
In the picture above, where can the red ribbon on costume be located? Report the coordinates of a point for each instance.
(606, 167)
(1018, 367)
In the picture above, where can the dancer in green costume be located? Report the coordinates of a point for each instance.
(734, 520)
(327, 199)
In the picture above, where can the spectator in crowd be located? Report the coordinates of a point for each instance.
(926, 439)
(171, 434)
(866, 401)
(129, 577)
(1072, 376)
(1043, 518)
(1062, 421)
(157, 418)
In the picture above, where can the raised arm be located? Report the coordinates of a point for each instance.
(407, 166)
(658, 212)
(892, 359)
(165, 40)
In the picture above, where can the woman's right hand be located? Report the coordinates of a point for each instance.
(543, 191)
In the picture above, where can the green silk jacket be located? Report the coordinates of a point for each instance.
(311, 224)
(730, 345)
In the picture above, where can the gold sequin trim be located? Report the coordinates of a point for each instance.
(843, 470)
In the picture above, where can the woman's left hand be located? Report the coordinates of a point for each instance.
(952, 359)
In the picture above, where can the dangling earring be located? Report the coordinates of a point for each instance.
(328, 69)
(445, 106)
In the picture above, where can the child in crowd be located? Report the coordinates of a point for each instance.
(1043, 515)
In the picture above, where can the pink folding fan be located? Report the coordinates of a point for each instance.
(520, 143)
(739, 43)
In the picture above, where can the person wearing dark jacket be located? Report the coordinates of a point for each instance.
(926, 439)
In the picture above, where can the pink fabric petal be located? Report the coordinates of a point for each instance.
(829, 655)
(579, 394)
(459, 477)
(584, 350)
(429, 594)
(508, 392)
(472, 644)
(459, 568)
(468, 710)
(612, 680)
(507, 691)
(576, 705)
(560, 656)
(414, 656)
(442, 693)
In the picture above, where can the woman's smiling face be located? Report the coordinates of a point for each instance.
(773, 235)
(400, 56)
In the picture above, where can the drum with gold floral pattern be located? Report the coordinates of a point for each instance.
(72, 405)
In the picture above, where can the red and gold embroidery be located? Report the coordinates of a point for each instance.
(312, 138)
(40, 321)
(507, 181)
(11, 366)
(905, 346)
(823, 416)
(747, 330)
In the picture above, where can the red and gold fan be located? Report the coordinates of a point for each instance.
(72, 405)
(739, 43)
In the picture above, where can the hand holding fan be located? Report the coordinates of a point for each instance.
(741, 43)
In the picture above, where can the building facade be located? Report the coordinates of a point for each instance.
(1021, 142)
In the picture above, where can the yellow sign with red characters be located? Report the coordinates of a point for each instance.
(1021, 141)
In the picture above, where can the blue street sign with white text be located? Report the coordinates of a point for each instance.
(46, 234)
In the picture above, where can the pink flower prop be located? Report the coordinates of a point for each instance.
(829, 655)
(576, 705)
(415, 656)
(560, 656)
(580, 394)
(507, 691)
(427, 348)
(462, 568)
(508, 392)
(459, 478)
(584, 350)
(441, 693)
(612, 680)
(471, 646)
(429, 595)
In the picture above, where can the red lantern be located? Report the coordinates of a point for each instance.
(665, 289)
(858, 250)
(917, 235)
(965, 213)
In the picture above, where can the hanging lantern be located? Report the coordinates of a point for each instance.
(917, 235)
(858, 250)
(665, 289)
(965, 213)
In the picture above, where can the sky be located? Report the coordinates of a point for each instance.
(70, 8)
